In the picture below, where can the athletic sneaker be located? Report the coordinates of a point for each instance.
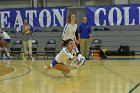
(33, 59)
(9, 58)
(25, 58)
(66, 75)
(46, 67)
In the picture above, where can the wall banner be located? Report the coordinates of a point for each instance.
(37, 17)
(113, 15)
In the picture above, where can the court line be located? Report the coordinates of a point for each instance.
(29, 70)
(123, 77)
(120, 75)
(122, 59)
(11, 72)
(134, 88)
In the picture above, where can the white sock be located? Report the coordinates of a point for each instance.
(51, 66)
(4, 56)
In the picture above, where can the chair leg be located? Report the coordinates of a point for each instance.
(37, 57)
(44, 57)
(47, 56)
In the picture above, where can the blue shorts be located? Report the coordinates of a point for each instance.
(54, 62)
(7, 40)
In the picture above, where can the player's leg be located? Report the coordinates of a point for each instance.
(30, 49)
(48, 66)
(58, 66)
(87, 44)
(25, 49)
(82, 46)
(3, 45)
(62, 67)
(6, 49)
(65, 70)
(5, 52)
(0, 51)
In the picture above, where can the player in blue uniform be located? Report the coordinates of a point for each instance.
(65, 54)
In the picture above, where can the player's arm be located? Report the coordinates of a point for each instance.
(65, 32)
(24, 31)
(79, 31)
(90, 34)
(70, 55)
(76, 38)
(77, 53)
(29, 30)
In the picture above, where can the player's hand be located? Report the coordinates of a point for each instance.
(28, 32)
(90, 38)
(80, 56)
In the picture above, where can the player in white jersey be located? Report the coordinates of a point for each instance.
(4, 38)
(65, 54)
(70, 29)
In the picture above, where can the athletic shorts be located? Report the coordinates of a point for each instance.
(7, 40)
(54, 62)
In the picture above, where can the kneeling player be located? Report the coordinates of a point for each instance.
(62, 57)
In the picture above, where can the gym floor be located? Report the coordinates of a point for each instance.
(114, 75)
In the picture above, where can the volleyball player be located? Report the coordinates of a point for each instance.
(60, 59)
(27, 31)
(4, 40)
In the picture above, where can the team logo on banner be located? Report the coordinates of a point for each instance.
(113, 15)
(37, 17)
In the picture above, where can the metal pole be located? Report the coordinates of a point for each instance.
(79, 2)
(44, 3)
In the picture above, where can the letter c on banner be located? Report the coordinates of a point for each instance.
(97, 17)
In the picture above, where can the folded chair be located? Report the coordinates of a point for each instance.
(50, 48)
(16, 49)
(35, 48)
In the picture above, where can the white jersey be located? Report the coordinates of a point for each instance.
(69, 31)
(64, 55)
(5, 35)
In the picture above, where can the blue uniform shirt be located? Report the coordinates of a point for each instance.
(84, 30)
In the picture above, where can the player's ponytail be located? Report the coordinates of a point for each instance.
(65, 43)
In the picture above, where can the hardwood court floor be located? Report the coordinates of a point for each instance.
(104, 76)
